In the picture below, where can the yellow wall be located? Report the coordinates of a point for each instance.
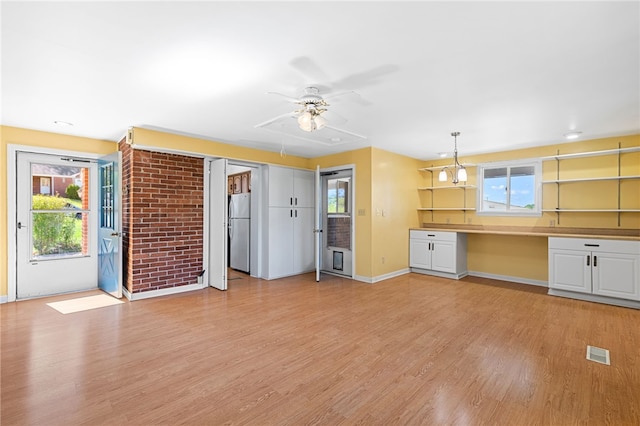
(526, 257)
(154, 139)
(394, 199)
(387, 182)
(361, 158)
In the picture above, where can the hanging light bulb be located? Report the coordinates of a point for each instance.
(442, 177)
(305, 121)
(462, 174)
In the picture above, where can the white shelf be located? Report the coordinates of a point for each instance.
(430, 188)
(431, 209)
(591, 179)
(432, 168)
(593, 210)
(591, 153)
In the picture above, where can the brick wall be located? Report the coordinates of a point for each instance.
(163, 212)
(339, 232)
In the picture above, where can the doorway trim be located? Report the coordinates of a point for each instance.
(12, 158)
(354, 214)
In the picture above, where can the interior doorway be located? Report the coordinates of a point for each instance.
(337, 221)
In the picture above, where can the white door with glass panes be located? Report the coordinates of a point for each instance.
(337, 227)
(56, 248)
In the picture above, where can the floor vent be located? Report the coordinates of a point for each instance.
(598, 355)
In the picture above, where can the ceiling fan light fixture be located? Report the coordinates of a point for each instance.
(311, 120)
(572, 135)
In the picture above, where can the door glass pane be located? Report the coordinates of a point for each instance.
(59, 211)
(338, 215)
(106, 197)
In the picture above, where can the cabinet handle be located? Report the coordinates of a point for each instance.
(429, 246)
(296, 201)
(433, 246)
(595, 261)
(296, 212)
(592, 245)
(431, 235)
(291, 213)
(588, 260)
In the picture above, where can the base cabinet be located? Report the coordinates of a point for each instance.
(438, 253)
(609, 268)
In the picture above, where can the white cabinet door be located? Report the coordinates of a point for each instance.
(443, 256)
(570, 270)
(303, 188)
(281, 247)
(419, 253)
(303, 250)
(280, 187)
(616, 275)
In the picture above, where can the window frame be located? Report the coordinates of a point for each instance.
(536, 163)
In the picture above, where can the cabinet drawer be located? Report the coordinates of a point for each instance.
(416, 234)
(595, 245)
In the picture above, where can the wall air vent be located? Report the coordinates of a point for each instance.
(598, 355)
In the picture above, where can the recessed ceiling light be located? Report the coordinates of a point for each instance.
(572, 135)
(442, 154)
(63, 123)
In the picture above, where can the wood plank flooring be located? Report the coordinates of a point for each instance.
(411, 350)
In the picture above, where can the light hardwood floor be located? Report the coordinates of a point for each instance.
(410, 350)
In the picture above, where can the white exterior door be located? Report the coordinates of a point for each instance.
(218, 223)
(616, 275)
(56, 241)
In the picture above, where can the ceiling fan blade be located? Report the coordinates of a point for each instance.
(274, 119)
(346, 132)
(289, 98)
(351, 95)
(365, 78)
(309, 69)
(333, 117)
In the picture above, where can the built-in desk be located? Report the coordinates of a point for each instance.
(535, 231)
(611, 256)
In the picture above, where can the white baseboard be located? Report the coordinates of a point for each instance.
(161, 292)
(373, 280)
(509, 278)
(4, 299)
(595, 298)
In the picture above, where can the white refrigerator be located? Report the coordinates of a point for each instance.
(239, 225)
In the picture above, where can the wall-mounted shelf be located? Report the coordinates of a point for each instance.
(593, 210)
(432, 188)
(592, 179)
(450, 209)
(432, 168)
(619, 178)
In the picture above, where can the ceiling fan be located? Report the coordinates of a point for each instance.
(312, 114)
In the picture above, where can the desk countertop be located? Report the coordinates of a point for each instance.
(615, 234)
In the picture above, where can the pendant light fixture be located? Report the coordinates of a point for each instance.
(458, 172)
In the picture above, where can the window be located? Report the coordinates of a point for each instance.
(509, 188)
(338, 195)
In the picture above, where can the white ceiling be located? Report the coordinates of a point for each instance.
(506, 75)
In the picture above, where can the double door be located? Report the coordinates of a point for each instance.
(290, 222)
(602, 267)
(426, 252)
